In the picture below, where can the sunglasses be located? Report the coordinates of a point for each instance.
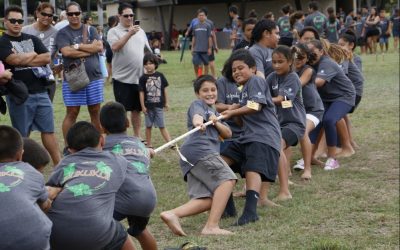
(45, 14)
(74, 13)
(14, 21)
(128, 15)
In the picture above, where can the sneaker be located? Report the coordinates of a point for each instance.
(299, 165)
(331, 164)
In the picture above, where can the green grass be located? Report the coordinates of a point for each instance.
(354, 207)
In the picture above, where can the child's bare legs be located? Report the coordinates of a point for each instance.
(347, 149)
(206, 67)
(148, 136)
(165, 134)
(306, 150)
(396, 44)
(219, 200)
(320, 149)
(284, 193)
(147, 240)
(128, 245)
(288, 155)
(212, 68)
(264, 201)
(350, 130)
(194, 206)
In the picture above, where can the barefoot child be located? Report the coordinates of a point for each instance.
(210, 180)
(136, 198)
(312, 104)
(82, 214)
(22, 193)
(256, 151)
(153, 97)
(285, 89)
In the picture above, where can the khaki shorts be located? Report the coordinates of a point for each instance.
(208, 173)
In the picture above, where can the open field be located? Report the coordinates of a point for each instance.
(354, 207)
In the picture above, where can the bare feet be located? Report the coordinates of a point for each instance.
(354, 145)
(306, 176)
(215, 231)
(239, 194)
(267, 202)
(346, 152)
(315, 161)
(172, 222)
(283, 197)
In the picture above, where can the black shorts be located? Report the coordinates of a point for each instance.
(136, 223)
(358, 100)
(254, 157)
(372, 32)
(127, 95)
(288, 41)
(289, 137)
(119, 238)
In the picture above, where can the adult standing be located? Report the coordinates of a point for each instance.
(63, 21)
(43, 29)
(316, 19)
(372, 31)
(128, 42)
(70, 42)
(24, 53)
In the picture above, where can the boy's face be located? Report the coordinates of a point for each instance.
(382, 14)
(150, 67)
(201, 16)
(273, 37)
(345, 45)
(208, 93)
(241, 72)
(247, 31)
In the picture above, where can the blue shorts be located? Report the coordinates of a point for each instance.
(36, 113)
(395, 32)
(90, 95)
(154, 117)
(200, 58)
(384, 39)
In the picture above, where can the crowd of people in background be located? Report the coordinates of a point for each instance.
(293, 78)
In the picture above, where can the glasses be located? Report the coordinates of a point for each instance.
(14, 21)
(45, 14)
(128, 15)
(74, 13)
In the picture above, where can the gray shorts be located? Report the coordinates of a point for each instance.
(208, 173)
(154, 117)
(36, 113)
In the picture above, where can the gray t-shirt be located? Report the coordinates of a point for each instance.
(357, 60)
(318, 21)
(338, 86)
(199, 144)
(356, 78)
(263, 58)
(128, 61)
(82, 213)
(23, 225)
(332, 31)
(284, 27)
(289, 86)
(228, 93)
(345, 66)
(311, 99)
(137, 195)
(47, 37)
(201, 33)
(67, 37)
(262, 126)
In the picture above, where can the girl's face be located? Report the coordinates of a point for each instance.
(318, 53)
(150, 67)
(307, 36)
(272, 38)
(241, 72)
(300, 60)
(208, 93)
(281, 64)
(345, 45)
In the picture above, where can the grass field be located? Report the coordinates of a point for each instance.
(354, 207)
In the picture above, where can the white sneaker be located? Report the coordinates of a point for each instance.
(331, 164)
(299, 165)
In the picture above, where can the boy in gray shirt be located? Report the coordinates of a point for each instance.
(201, 43)
(82, 214)
(22, 193)
(136, 198)
(210, 180)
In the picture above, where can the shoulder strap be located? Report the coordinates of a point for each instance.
(85, 33)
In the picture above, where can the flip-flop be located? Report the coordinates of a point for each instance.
(187, 246)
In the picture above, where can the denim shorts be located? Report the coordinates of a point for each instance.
(384, 39)
(36, 113)
(200, 58)
(90, 95)
(154, 117)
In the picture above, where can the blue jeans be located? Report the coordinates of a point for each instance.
(334, 111)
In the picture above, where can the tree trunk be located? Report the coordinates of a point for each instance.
(100, 13)
(6, 4)
(24, 7)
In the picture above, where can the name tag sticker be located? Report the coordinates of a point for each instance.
(253, 105)
(286, 103)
